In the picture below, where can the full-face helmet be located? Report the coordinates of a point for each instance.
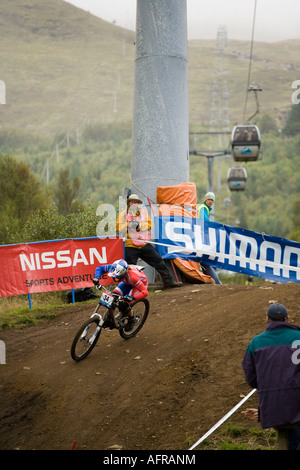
(118, 270)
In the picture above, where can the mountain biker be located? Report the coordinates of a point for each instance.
(133, 285)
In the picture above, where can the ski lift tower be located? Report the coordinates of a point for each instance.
(160, 133)
(220, 94)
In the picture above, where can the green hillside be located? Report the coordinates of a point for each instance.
(69, 99)
(274, 67)
(63, 67)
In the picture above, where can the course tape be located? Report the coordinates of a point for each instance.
(222, 420)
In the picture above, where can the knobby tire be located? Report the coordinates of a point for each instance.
(78, 342)
(140, 309)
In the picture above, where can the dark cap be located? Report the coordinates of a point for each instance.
(277, 312)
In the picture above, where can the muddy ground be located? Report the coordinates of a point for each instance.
(163, 389)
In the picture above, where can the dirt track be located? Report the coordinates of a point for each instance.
(161, 390)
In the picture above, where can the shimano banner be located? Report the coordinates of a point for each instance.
(230, 248)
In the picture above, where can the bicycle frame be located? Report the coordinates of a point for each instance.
(110, 309)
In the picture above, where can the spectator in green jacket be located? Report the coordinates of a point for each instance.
(271, 364)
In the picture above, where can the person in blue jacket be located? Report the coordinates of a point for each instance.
(204, 215)
(271, 364)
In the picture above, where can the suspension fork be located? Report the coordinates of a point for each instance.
(108, 312)
(101, 317)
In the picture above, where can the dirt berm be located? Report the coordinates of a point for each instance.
(163, 389)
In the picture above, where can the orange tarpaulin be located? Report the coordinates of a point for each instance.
(191, 270)
(174, 209)
(184, 194)
(181, 200)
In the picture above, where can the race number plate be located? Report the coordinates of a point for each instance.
(106, 299)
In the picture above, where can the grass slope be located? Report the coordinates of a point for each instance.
(63, 66)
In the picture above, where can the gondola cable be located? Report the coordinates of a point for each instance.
(249, 69)
(245, 137)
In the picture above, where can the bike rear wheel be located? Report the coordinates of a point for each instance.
(140, 310)
(85, 339)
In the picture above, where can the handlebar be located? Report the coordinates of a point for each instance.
(127, 298)
(114, 294)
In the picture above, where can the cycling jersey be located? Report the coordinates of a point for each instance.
(134, 283)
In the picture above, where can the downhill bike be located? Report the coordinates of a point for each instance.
(109, 313)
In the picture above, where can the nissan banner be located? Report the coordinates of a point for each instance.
(55, 265)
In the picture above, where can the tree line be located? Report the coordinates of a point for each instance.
(31, 212)
(96, 171)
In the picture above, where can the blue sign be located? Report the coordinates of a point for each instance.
(229, 248)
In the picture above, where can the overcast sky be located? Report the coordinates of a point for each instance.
(276, 20)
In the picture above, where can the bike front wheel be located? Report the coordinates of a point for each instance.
(85, 339)
(140, 310)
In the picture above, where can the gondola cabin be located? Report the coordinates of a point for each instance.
(245, 143)
(237, 178)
